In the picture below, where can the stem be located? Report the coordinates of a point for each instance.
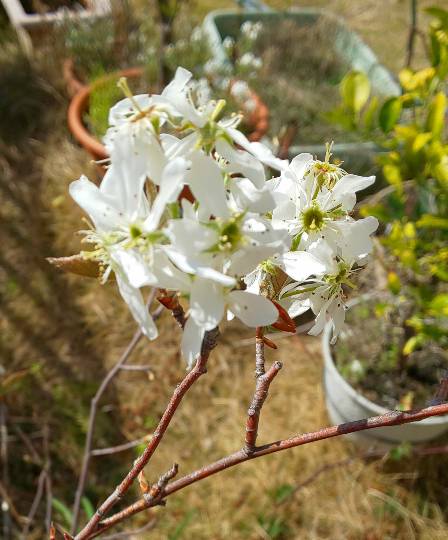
(390, 419)
(198, 370)
(412, 34)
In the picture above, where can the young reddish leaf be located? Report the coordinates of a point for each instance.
(284, 322)
(269, 343)
(76, 264)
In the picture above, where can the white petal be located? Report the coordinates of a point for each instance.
(167, 275)
(99, 206)
(189, 236)
(207, 184)
(134, 299)
(192, 265)
(176, 93)
(173, 178)
(259, 150)
(355, 238)
(246, 260)
(241, 162)
(300, 164)
(124, 109)
(192, 337)
(124, 181)
(252, 309)
(133, 265)
(206, 303)
(297, 307)
(338, 320)
(300, 265)
(248, 197)
(344, 192)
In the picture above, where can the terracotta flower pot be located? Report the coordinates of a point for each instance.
(258, 119)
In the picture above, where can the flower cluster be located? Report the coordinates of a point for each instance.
(185, 206)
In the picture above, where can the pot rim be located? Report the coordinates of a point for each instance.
(348, 388)
(78, 105)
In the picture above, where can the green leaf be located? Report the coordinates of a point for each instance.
(355, 90)
(64, 511)
(438, 13)
(389, 114)
(401, 451)
(392, 174)
(283, 492)
(428, 221)
(412, 344)
(436, 115)
(439, 304)
(89, 510)
(371, 113)
(393, 283)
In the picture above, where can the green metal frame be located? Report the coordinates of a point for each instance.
(222, 23)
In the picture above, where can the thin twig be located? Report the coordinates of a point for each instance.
(135, 368)
(93, 413)
(48, 483)
(393, 418)
(412, 33)
(199, 369)
(91, 427)
(6, 507)
(27, 442)
(264, 380)
(36, 501)
(10, 507)
(119, 448)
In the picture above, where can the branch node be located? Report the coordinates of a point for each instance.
(259, 397)
(154, 495)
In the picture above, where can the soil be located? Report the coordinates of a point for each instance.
(367, 355)
(299, 79)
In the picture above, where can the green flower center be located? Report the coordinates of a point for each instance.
(313, 219)
(342, 277)
(230, 237)
(135, 231)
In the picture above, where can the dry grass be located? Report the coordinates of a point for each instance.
(78, 329)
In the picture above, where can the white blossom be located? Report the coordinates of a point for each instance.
(245, 241)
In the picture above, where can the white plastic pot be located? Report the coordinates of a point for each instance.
(345, 404)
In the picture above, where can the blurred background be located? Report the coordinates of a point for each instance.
(369, 75)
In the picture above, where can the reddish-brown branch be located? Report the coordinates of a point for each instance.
(259, 353)
(390, 419)
(172, 303)
(253, 414)
(191, 377)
